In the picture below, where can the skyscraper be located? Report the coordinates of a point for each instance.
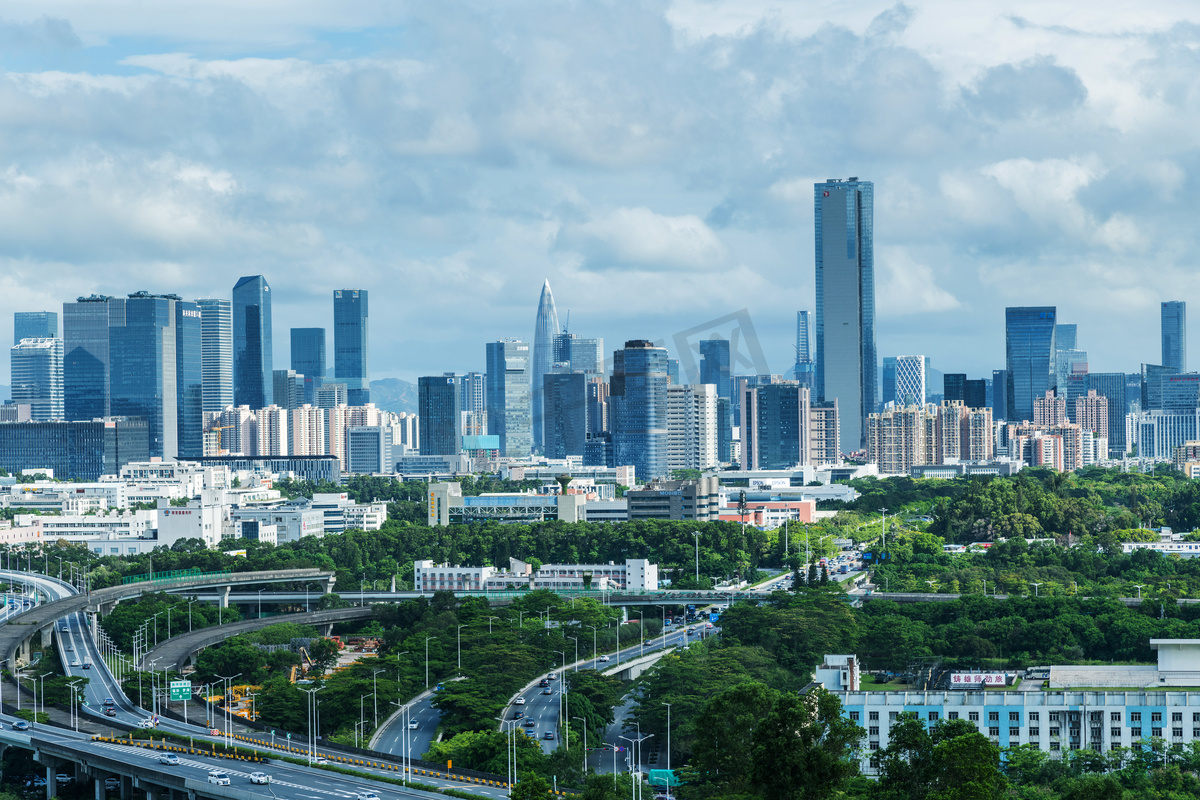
(1174, 335)
(439, 413)
(37, 325)
(37, 377)
(544, 331)
(507, 393)
(1066, 336)
(350, 355)
(638, 404)
(805, 368)
(975, 394)
(1030, 349)
(887, 384)
(910, 380)
(252, 343)
(692, 435)
(308, 359)
(189, 378)
(86, 362)
(1111, 386)
(954, 386)
(714, 365)
(216, 352)
(999, 394)
(584, 355)
(566, 412)
(845, 272)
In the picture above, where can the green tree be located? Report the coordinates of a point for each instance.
(804, 747)
(531, 787)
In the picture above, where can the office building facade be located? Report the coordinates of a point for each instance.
(583, 355)
(216, 357)
(714, 365)
(1030, 357)
(566, 403)
(845, 314)
(308, 359)
(692, 426)
(75, 450)
(351, 362)
(910, 380)
(439, 410)
(37, 377)
(638, 406)
(189, 378)
(508, 396)
(252, 342)
(86, 359)
(545, 329)
(143, 354)
(35, 325)
(1174, 335)
(805, 369)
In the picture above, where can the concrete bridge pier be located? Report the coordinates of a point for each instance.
(223, 600)
(327, 584)
(47, 635)
(126, 786)
(327, 629)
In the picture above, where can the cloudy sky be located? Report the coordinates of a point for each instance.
(653, 160)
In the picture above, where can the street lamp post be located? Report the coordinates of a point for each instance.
(668, 705)
(883, 528)
(697, 535)
(1035, 588)
(228, 724)
(427, 638)
(584, 726)
(1139, 586)
(312, 739)
(595, 655)
(460, 627)
(576, 641)
(490, 623)
(664, 627)
(260, 591)
(375, 693)
(561, 690)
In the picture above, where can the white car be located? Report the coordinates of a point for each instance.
(319, 760)
(218, 778)
(170, 759)
(76, 663)
(260, 778)
(366, 794)
(603, 658)
(145, 723)
(413, 725)
(520, 701)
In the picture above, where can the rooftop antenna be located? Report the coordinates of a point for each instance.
(567, 327)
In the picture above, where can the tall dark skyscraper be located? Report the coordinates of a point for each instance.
(999, 394)
(216, 332)
(1030, 349)
(954, 386)
(86, 361)
(38, 325)
(252, 343)
(1111, 386)
(439, 415)
(975, 394)
(350, 362)
(887, 383)
(584, 355)
(507, 396)
(638, 403)
(156, 370)
(566, 413)
(714, 365)
(845, 270)
(544, 331)
(1174, 335)
(308, 359)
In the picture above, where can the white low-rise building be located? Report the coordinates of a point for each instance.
(634, 576)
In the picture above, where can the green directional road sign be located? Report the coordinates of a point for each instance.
(181, 690)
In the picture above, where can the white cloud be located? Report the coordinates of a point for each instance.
(639, 237)
(906, 287)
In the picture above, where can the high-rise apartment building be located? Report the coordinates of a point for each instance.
(216, 353)
(1174, 335)
(545, 329)
(638, 404)
(910, 380)
(1091, 413)
(473, 388)
(805, 371)
(252, 342)
(565, 394)
(351, 364)
(439, 411)
(904, 437)
(86, 361)
(1050, 409)
(508, 398)
(35, 325)
(714, 365)
(272, 431)
(308, 359)
(330, 394)
(783, 429)
(37, 377)
(692, 426)
(845, 283)
(307, 431)
(597, 411)
(1030, 357)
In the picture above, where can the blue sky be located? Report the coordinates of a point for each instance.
(654, 161)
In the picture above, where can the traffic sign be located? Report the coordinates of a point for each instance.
(181, 690)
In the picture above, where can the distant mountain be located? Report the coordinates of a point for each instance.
(393, 394)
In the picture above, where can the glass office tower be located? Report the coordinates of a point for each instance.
(1174, 335)
(37, 377)
(216, 352)
(1029, 344)
(439, 414)
(714, 365)
(351, 364)
(845, 276)
(805, 368)
(189, 377)
(35, 325)
(308, 359)
(86, 354)
(143, 357)
(638, 403)
(252, 345)
(507, 396)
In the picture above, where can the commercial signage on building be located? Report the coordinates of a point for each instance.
(974, 678)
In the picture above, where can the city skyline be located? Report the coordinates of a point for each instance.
(191, 160)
